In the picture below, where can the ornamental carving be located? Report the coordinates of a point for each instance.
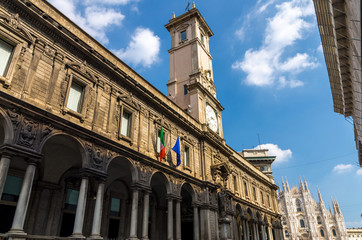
(97, 156)
(220, 173)
(83, 69)
(14, 22)
(145, 172)
(176, 185)
(225, 204)
(128, 98)
(28, 133)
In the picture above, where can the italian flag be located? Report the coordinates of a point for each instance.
(162, 145)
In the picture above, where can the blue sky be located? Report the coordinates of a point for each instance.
(270, 76)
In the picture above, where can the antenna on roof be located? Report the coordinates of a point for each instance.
(187, 7)
(259, 140)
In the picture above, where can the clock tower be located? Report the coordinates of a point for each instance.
(191, 83)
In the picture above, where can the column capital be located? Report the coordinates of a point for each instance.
(92, 173)
(173, 197)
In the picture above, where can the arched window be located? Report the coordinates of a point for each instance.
(299, 205)
(322, 233)
(284, 221)
(302, 225)
(286, 233)
(334, 232)
(319, 220)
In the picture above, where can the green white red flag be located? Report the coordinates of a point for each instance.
(162, 145)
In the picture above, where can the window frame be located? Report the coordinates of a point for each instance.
(73, 76)
(235, 183)
(187, 145)
(246, 192)
(300, 223)
(183, 31)
(18, 45)
(14, 173)
(124, 108)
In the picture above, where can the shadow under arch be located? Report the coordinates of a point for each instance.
(239, 222)
(160, 187)
(6, 128)
(187, 211)
(61, 152)
(125, 164)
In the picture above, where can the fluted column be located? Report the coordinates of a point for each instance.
(134, 214)
(146, 207)
(170, 219)
(79, 214)
(196, 223)
(178, 219)
(23, 201)
(97, 218)
(4, 167)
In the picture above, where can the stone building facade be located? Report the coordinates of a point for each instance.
(304, 218)
(80, 133)
(354, 233)
(339, 23)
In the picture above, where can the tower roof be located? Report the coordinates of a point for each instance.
(187, 15)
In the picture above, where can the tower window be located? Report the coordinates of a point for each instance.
(5, 54)
(183, 36)
(322, 233)
(202, 38)
(319, 221)
(185, 89)
(334, 233)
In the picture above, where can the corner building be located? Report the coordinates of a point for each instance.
(304, 218)
(80, 137)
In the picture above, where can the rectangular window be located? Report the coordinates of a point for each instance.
(246, 189)
(268, 200)
(185, 89)
(183, 36)
(75, 98)
(71, 200)
(5, 55)
(202, 38)
(115, 207)
(12, 188)
(254, 193)
(235, 184)
(187, 156)
(126, 124)
(262, 197)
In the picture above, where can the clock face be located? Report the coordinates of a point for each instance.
(211, 118)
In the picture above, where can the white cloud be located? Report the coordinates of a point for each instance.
(320, 48)
(264, 66)
(298, 63)
(342, 168)
(274, 150)
(94, 19)
(143, 48)
(354, 224)
(359, 171)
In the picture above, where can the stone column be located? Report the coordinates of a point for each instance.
(254, 231)
(146, 209)
(170, 219)
(245, 236)
(4, 167)
(196, 223)
(178, 219)
(97, 218)
(23, 201)
(134, 214)
(79, 214)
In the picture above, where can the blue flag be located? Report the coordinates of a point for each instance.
(177, 149)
